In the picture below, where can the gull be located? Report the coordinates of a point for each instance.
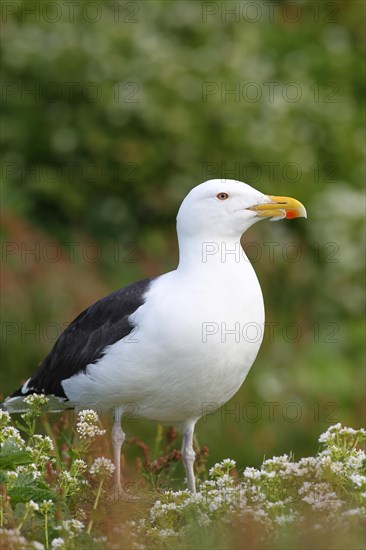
(174, 346)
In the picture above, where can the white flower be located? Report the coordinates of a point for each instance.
(86, 430)
(36, 400)
(326, 437)
(228, 462)
(87, 425)
(88, 415)
(66, 476)
(284, 519)
(11, 475)
(72, 526)
(33, 505)
(30, 469)
(58, 543)
(45, 506)
(277, 460)
(264, 473)
(222, 467)
(37, 545)
(329, 435)
(357, 460)
(357, 479)
(79, 465)
(9, 432)
(251, 473)
(43, 441)
(102, 465)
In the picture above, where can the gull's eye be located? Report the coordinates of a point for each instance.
(222, 196)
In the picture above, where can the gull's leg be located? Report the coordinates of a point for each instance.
(188, 455)
(118, 437)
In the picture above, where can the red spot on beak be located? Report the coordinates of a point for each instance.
(291, 214)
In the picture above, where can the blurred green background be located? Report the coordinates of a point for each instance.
(112, 111)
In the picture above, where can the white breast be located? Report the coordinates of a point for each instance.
(194, 343)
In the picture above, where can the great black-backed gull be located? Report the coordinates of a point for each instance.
(169, 345)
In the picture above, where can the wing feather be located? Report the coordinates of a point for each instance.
(83, 342)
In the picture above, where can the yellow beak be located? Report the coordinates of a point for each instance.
(280, 207)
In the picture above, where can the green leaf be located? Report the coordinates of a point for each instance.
(24, 493)
(13, 459)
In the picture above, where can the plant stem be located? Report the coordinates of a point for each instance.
(46, 529)
(99, 492)
(158, 438)
(23, 520)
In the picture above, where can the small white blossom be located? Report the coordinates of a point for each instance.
(251, 473)
(45, 506)
(11, 475)
(9, 432)
(228, 462)
(326, 437)
(222, 467)
(284, 519)
(36, 400)
(72, 526)
(43, 441)
(102, 466)
(88, 424)
(79, 465)
(263, 473)
(33, 505)
(58, 543)
(29, 469)
(358, 479)
(88, 415)
(86, 430)
(357, 460)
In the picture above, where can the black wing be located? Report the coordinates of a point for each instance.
(85, 339)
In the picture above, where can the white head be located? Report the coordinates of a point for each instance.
(227, 208)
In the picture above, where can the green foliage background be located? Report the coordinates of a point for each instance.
(107, 123)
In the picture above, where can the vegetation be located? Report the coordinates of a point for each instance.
(55, 495)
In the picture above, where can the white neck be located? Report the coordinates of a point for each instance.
(213, 257)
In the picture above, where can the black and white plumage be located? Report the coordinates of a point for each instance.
(164, 344)
(85, 340)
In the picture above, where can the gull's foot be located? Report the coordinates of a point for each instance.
(122, 494)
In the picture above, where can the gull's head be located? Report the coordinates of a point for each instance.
(229, 207)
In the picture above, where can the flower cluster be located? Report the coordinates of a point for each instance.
(11, 436)
(328, 489)
(36, 480)
(58, 543)
(36, 400)
(102, 467)
(71, 527)
(88, 424)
